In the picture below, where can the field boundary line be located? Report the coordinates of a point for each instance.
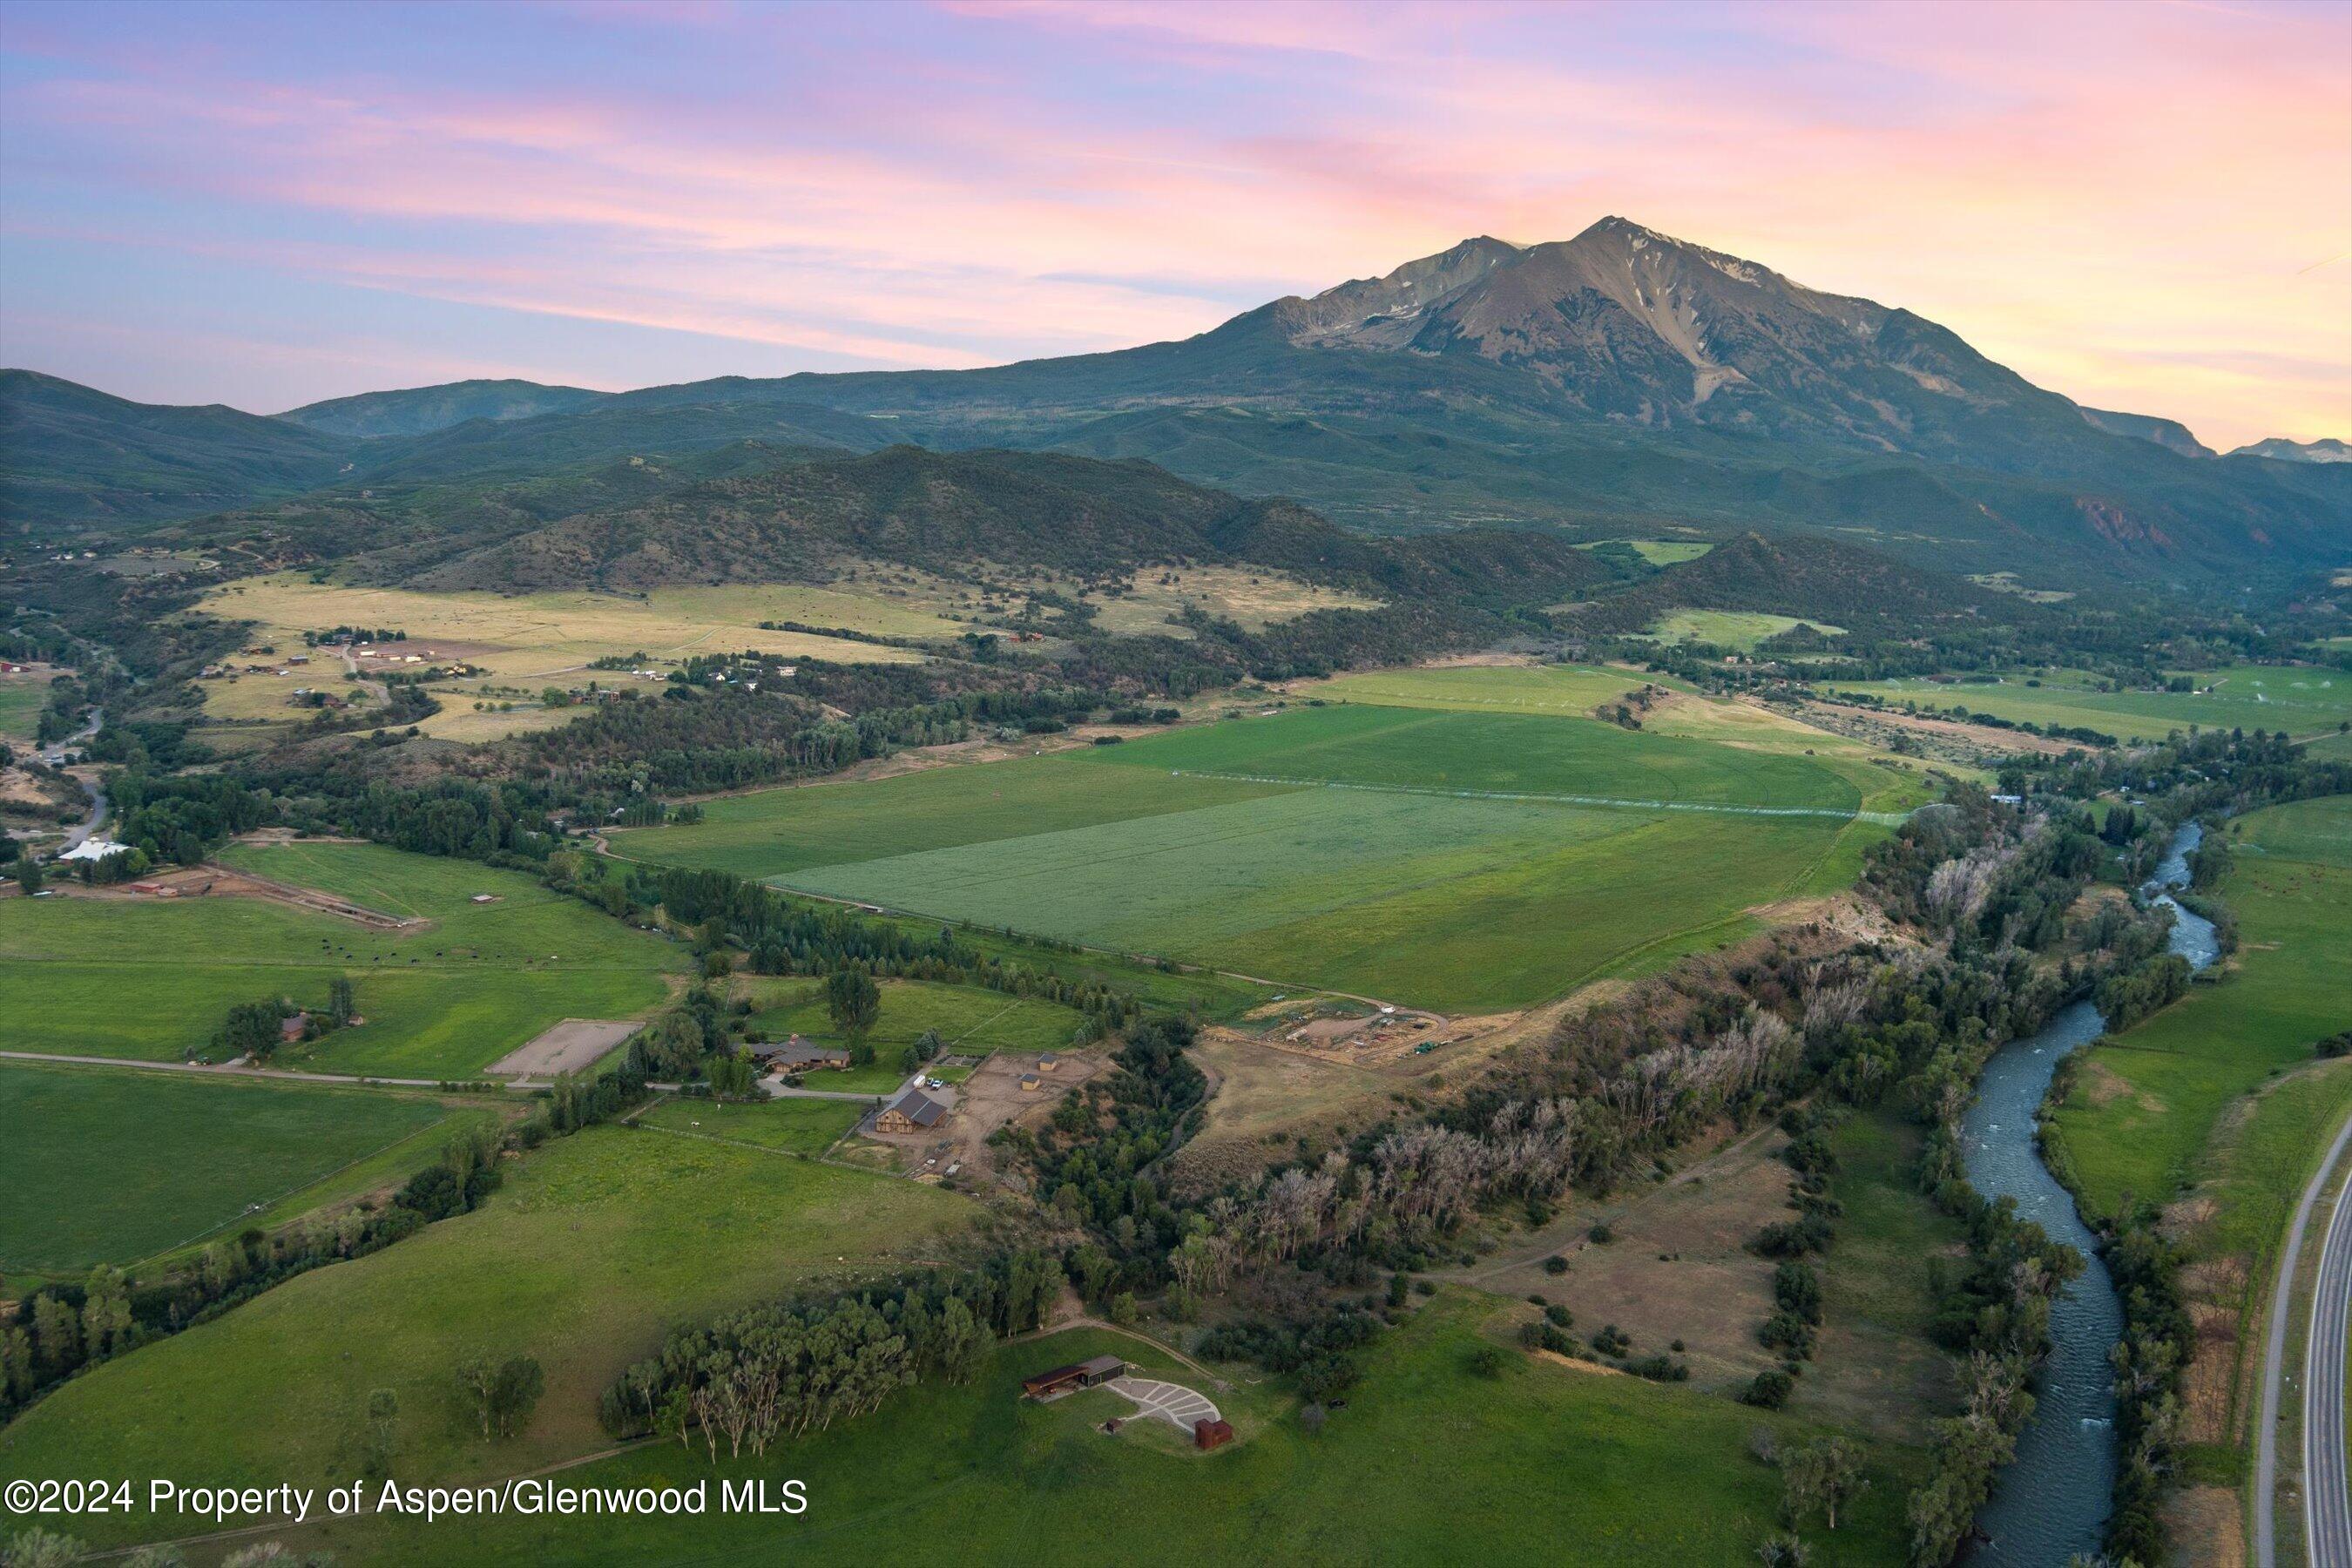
(1889, 818)
(268, 1204)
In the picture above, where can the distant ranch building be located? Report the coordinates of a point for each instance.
(797, 1057)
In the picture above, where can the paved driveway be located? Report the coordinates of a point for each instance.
(1172, 1402)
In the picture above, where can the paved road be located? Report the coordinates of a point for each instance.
(2326, 1503)
(2325, 1326)
(216, 1068)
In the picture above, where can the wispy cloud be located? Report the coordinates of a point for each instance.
(2127, 213)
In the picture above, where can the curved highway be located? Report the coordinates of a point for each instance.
(2326, 1503)
(2326, 1511)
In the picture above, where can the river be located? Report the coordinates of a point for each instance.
(2052, 1503)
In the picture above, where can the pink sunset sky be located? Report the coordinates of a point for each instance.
(2146, 206)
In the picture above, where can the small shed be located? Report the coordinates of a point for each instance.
(1031, 1083)
(1048, 1062)
(291, 1029)
(1207, 1435)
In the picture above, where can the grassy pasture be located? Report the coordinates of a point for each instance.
(152, 980)
(2301, 701)
(1660, 552)
(788, 1126)
(970, 1019)
(597, 1243)
(1542, 1464)
(2142, 1117)
(1741, 629)
(106, 1165)
(1407, 882)
(1555, 690)
(22, 698)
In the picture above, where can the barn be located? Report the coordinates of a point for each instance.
(1067, 1379)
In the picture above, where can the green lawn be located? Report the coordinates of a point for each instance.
(152, 979)
(596, 1244)
(113, 1165)
(1429, 856)
(2299, 701)
(2147, 1102)
(1430, 1462)
(967, 1018)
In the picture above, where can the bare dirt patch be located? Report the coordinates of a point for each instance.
(1678, 1265)
(576, 1045)
(989, 1099)
(1947, 738)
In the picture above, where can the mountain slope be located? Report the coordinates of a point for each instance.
(69, 455)
(421, 410)
(1816, 578)
(950, 511)
(2170, 434)
(2280, 449)
(1609, 382)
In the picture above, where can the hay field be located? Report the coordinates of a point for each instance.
(537, 636)
(22, 698)
(106, 1165)
(1455, 860)
(1558, 690)
(152, 979)
(2302, 700)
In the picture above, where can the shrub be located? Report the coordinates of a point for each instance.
(1602, 1234)
(1555, 1263)
(1768, 1390)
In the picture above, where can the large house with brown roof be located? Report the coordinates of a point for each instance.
(912, 1111)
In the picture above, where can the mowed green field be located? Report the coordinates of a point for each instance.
(596, 1244)
(967, 1018)
(1430, 1462)
(2302, 701)
(114, 1165)
(152, 979)
(2140, 1121)
(1447, 859)
(790, 1126)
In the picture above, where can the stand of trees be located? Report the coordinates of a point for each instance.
(776, 1373)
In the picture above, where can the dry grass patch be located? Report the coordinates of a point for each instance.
(535, 637)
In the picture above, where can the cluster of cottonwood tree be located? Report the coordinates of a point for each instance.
(777, 1373)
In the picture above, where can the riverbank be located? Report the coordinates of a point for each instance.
(2052, 1501)
(2215, 1112)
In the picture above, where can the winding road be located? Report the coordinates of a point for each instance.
(2326, 1502)
(2326, 1505)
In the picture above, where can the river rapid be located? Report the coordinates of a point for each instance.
(2052, 1503)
